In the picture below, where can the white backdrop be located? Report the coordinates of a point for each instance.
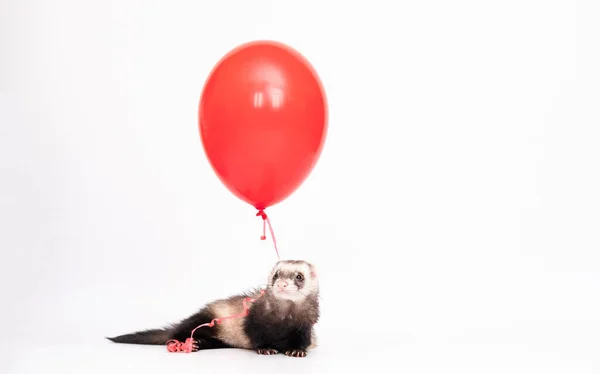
(454, 212)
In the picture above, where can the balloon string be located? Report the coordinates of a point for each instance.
(266, 222)
(174, 345)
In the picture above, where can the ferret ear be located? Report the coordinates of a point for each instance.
(313, 271)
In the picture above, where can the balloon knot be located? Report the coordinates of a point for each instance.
(263, 237)
(262, 214)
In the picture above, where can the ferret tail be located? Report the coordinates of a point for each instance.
(153, 337)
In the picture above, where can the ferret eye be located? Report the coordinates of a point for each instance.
(300, 277)
(276, 275)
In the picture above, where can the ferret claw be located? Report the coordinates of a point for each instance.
(296, 353)
(267, 351)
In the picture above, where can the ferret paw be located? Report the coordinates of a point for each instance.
(296, 353)
(196, 345)
(267, 351)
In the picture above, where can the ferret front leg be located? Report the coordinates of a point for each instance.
(298, 343)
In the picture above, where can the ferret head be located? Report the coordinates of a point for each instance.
(293, 280)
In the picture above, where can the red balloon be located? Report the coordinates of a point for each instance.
(263, 121)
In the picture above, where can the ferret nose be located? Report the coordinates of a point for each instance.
(282, 285)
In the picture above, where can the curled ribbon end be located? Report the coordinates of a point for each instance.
(177, 346)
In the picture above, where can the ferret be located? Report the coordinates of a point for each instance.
(278, 321)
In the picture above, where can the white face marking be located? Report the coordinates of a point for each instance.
(285, 286)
